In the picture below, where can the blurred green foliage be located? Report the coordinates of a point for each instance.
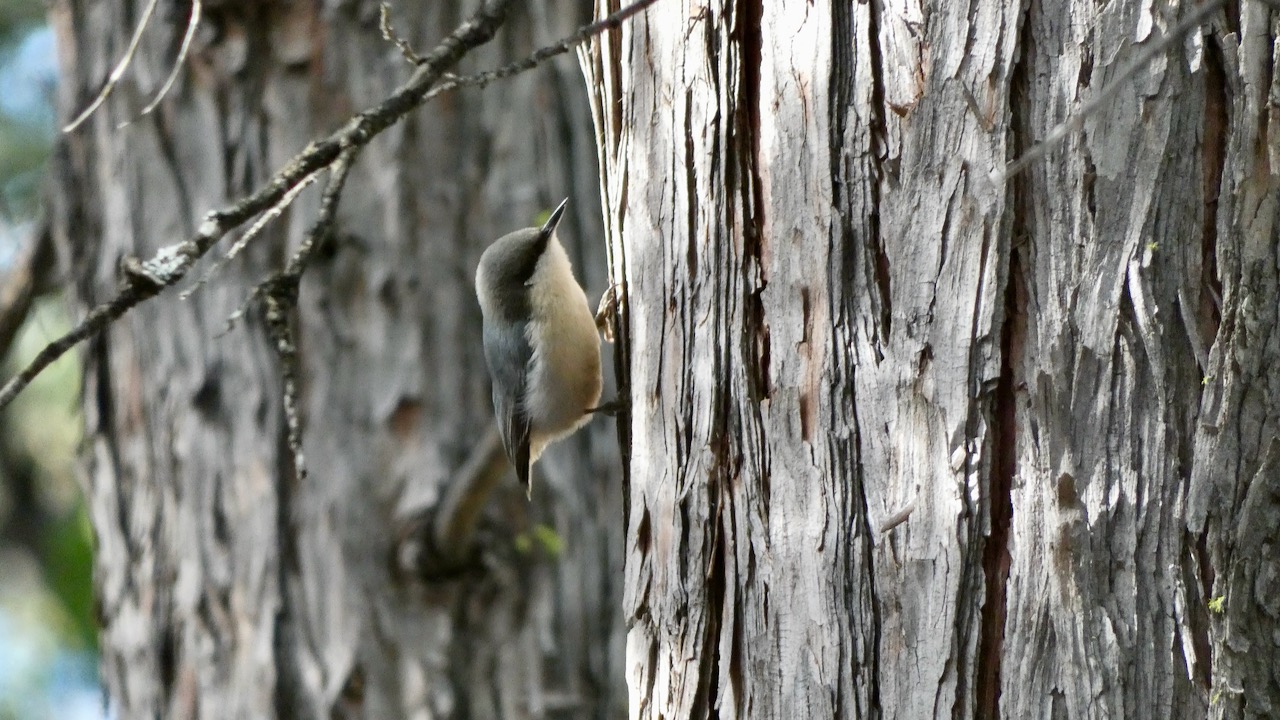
(48, 633)
(43, 426)
(542, 538)
(69, 574)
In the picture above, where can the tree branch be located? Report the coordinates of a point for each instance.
(389, 34)
(454, 524)
(143, 280)
(280, 305)
(281, 291)
(254, 230)
(583, 34)
(192, 23)
(29, 277)
(118, 71)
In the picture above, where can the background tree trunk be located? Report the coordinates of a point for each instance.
(225, 588)
(1066, 385)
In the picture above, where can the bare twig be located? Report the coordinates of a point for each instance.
(26, 279)
(1108, 91)
(583, 34)
(279, 306)
(145, 279)
(183, 49)
(389, 34)
(324, 218)
(898, 518)
(258, 225)
(118, 71)
(291, 275)
(281, 292)
(97, 319)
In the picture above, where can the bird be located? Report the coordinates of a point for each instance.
(541, 342)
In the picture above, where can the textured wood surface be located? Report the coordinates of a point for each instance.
(1066, 385)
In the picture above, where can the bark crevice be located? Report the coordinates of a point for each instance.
(751, 186)
(879, 258)
(1214, 160)
(996, 558)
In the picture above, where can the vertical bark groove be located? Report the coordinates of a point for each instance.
(856, 253)
(877, 128)
(1005, 418)
(995, 555)
(1216, 126)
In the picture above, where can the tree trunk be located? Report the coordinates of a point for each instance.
(908, 441)
(226, 588)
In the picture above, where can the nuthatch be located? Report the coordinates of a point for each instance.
(540, 342)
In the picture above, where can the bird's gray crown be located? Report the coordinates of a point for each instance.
(508, 264)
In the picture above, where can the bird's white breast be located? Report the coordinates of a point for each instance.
(564, 376)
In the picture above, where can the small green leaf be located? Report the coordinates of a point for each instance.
(1218, 604)
(549, 540)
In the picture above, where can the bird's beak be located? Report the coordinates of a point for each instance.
(554, 220)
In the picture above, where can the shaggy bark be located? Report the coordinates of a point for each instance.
(837, 320)
(225, 587)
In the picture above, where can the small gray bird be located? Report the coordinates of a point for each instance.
(540, 342)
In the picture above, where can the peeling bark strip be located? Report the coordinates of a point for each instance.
(1038, 370)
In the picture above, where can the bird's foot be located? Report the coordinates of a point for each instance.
(611, 408)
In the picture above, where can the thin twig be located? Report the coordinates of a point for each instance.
(584, 33)
(253, 231)
(280, 303)
(389, 34)
(1076, 121)
(97, 319)
(144, 279)
(192, 24)
(118, 71)
(292, 272)
(323, 225)
(29, 275)
(281, 292)
(898, 518)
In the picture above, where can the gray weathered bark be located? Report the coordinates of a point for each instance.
(1066, 384)
(225, 588)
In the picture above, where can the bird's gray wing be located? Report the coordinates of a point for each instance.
(507, 353)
